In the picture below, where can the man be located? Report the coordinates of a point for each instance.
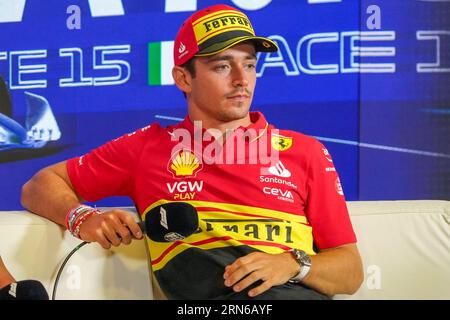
(276, 230)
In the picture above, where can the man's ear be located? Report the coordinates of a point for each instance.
(182, 78)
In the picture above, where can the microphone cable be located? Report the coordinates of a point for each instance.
(78, 247)
(55, 286)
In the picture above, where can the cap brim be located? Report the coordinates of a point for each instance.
(262, 44)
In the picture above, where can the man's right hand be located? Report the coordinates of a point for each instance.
(112, 227)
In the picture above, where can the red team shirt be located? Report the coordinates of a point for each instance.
(244, 202)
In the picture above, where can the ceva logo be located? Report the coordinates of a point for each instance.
(281, 194)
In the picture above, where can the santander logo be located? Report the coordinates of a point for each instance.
(280, 170)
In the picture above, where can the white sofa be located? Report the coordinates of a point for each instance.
(405, 246)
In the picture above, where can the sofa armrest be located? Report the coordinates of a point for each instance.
(405, 248)
(34, 248)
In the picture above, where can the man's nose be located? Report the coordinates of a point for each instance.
(239, 77)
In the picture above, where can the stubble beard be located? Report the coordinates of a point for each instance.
(236, 112)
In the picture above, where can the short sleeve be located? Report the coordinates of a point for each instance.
(326, 208)
(108, 170)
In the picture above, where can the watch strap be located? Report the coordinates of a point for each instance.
(305, 265)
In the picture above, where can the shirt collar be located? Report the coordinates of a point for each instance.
(258, 123)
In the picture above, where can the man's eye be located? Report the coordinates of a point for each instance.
(221, 67)
(251, 66)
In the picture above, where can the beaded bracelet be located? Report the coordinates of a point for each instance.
(76, 216)
(74, 213)
(76, 228)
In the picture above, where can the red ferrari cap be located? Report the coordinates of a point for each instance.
(215, 29)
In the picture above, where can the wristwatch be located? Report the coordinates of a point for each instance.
(305, 264)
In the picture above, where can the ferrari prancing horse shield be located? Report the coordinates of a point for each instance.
(281, 143)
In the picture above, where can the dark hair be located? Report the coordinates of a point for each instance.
(190, 67)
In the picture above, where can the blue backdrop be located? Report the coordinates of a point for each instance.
(370, 79)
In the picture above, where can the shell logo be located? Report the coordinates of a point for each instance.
(184, 163)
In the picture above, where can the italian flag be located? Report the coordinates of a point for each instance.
(160, 63)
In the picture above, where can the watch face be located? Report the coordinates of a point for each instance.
(306, 260)
(302, 257)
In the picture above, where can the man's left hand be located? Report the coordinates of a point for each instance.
(271, 269)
